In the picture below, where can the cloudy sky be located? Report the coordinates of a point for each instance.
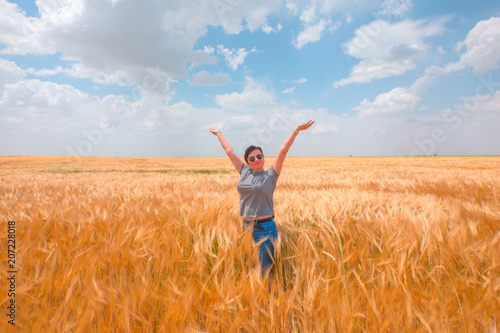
(148, 78)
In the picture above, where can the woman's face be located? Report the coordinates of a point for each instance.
(257, 164)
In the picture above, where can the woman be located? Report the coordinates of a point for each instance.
(256, 187)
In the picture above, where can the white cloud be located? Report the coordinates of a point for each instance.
(268, 29)
(324, 128)
(395, 101)
(379, 35)
(49, 110)
(44, 108)
(10, 73)
(300, 81)
(311, 33)
(316, 21)
(441, 51)
(373, 69)
(292, 89)
(19, 33)
(41, 97)
(209, 50)
(388, 49)
(482, 47)
(292, 7)
(234, 57)
(308, 15)
(110, 39)
(60, 12)
(477, 56)
(316, 15)
(482, 50)
(253, 94)
(204, 78)
(258, 17)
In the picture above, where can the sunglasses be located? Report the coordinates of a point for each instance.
(252, 158)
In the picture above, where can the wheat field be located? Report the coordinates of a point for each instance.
(157, 245)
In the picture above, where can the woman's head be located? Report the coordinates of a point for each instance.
(252, 150)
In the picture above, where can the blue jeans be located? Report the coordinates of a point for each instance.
(266, 248)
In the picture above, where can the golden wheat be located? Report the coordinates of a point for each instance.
(156, 245)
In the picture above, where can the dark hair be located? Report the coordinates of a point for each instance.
(251, 149)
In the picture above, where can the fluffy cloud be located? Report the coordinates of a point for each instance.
(372, 69)
(253, 94)
(387, 49)
(9, 73)
(292, 7)
(394, 101)
(258, 17)
(234, 57)
(481, 43)
(316, 16)
(110, 39)
(316, 23)
(21, 34)
(311, 34)
(300, 81)
(44, 108)
(36, 96)
(204, 78)
(268, 29)
(48, 110)
(324, 128)
(482, 47)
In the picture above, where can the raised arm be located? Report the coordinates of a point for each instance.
(237, 162)
(280, 158)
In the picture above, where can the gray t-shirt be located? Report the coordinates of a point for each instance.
(256, 191)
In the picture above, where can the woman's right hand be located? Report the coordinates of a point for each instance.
(214, 132)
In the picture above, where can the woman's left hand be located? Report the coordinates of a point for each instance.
(214, 132)
(304, 126)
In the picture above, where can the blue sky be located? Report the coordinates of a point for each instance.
(148, 78)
